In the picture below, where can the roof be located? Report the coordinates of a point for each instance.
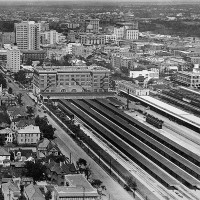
(24, 122)
(43, 143)
(6, 131)
(3, 152)
(10, 186)
(78, 185)
(29, 129)
(64, 168)
(33, 192)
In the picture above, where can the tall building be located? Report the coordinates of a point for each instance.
(27, 35)
(49, 37)
(92, 23)
(70, 79)
(13, 59)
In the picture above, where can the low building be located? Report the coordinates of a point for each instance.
(148, 74)
(47, 147)
(33, 192)
(70, 79)
(4, 156)
(30, 55)
(92, 39)
(75, 187)
(28, 135)
(81, 50)
(189, 79)
(19, 123)
(10, 191)
(57, 171)
(133, 89)
(7, 134)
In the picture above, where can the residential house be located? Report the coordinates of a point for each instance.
(33, 192)
(26, 181)
(75, 187)
(57, 171)
(19, 123)
(4, 156)
(28, 135)
(17, 111)
(46, 147)
(7, 134)
(10, 191)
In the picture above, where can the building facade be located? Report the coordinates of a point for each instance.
(33, 55)
(28, 135)
(13, 59)
(70, 79)
(49, 37)
(27, 35)
(92, 39)
(94, 23)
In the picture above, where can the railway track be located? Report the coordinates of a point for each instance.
(77, 112)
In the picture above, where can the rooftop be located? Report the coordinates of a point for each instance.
(3, 152)
(29, 129)
(78, 185)
(70, 68)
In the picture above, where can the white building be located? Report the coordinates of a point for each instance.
(10, 191)
(134, 89)
(119, 32)
(131, 34)
(8, 134)
(27, 35)
(28, 135)
(49, 37)
(4, 155)
(148, 74)
(110, 38)
(13, 59)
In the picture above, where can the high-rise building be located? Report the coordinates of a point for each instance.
(27, 35)
(13, 59)
(92, 24)
(49, 37)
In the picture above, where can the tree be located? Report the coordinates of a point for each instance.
(30, 110)
(10, 91)
(20, 76)
(83, 167)
(3, 81)
(19, 98)
(48, 195)
(2, 140)
(35, 170)
(96, 183)
(12, 155)
(132, 184)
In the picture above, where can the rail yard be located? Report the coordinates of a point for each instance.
(175, 166)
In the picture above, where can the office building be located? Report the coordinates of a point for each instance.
(27, 35)
(70, 79)
(13, 59)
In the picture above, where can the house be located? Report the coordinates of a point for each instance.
(4, 157)
(75, 187)
(57, 171)
(47, 147)
(23, 154)
(28, 135)
(7, 134)
(33, 192)
(10, 190)
(17, 111)
(19, 123)
(26, 181)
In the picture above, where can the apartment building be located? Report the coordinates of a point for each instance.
(80, 50)
(70, 79)
(13, 59)
(27, 35)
